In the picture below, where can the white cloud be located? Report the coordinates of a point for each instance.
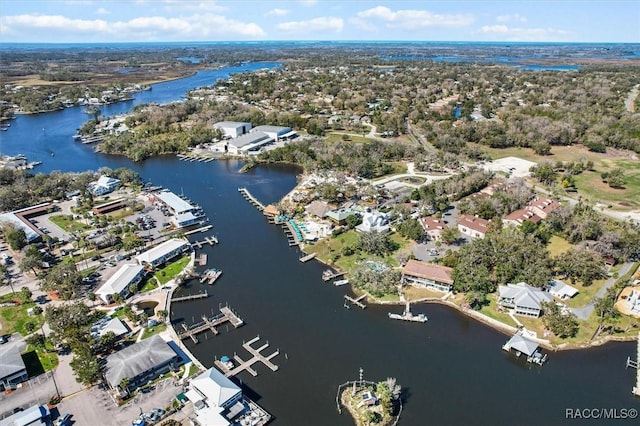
(505, 33)
(195, 27)
(415, 19)
(362, 24)
(321, 24)
(308, 2)
(277, 12)
(102, 11)
(194, 6)
(516, 17)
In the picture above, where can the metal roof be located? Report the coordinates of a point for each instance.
(120, 280)
(215, 387)
(10, 360)
(176, 203)
(150, 256)
(522, 344)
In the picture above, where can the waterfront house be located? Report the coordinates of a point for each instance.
(339, 216)
(523, 299)
(542, 206)
(374, 221)
(120, 282)
(216, 399)
(473, 226)
(433, 227)
(233, 129)
(427, 275)
(561, 290)
(12, 368)
(319, 208)
(163, 252)
(520, 216)
(138, 364)
(104, 185)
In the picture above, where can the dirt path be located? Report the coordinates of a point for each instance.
(630, 102)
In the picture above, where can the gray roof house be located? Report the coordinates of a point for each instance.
(140, 363)
(12, 368)
(215, 398)
(523, 299)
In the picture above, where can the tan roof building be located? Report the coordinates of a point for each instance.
(473, 226)
(520, 216)
(542, 206)
(430, 275)
(433, 227)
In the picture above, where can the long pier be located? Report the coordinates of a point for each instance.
(307, 258)
(210, 324)
(253, 200)
(191, 297)
(246, 365)
(201, 229)
(357, 301)
(636, 389)
(328, 275)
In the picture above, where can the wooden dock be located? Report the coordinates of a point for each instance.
(202, 229)
(210, 324)
(191, 297)
(250, 198)
(209, 240)
(246, 365)
(307, 258)
(328, 275)
(202, 260)
(636, 389)
(357, 301)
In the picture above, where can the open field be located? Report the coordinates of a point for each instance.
(557, 246)
(67, 223)
(169, 272)
(589, 183)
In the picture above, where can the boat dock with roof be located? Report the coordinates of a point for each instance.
(523, 345)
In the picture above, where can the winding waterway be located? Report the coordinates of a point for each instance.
(452, 368)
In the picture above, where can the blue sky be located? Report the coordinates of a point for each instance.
(202, 20)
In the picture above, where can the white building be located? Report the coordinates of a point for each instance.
(275, 132)
(120, 282)
(184, 213)
(246, 143)
(561, 290)
(12, 368)
(164, 252)
(233, 129)
(374, 221)
(216, 399)
(104, 185)
(523, 299)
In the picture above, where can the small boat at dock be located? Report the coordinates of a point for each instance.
(211, 275)
(340, 282)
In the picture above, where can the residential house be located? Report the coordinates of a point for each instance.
(374, 221)
(433, 227)
(633, 301)
(473, 226)
(520, 216)
(561, 290)
(104, 185)
(12, 368)
(542, 206)
(428, 275)
(136, 365)
(163, 252)
(319, 208)
(120, 282)
(340, 216)
(523, 299)
(216, 399)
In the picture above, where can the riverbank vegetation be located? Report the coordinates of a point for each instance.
(372, 403)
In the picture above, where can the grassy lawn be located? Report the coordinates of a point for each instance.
(335, 137)
(586, 294)
(416, 293)
(48, 359)
(151, 331)
(193, 369)
(589, 184)
(149, 285)
(67, 223)
(167, 273)
(491, 311)
(557, 246)
(14, 318)
(400, 167)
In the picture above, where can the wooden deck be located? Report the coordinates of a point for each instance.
(246, 365)
(209, 240)
(307, 257)
(191, 297)
(357, 301)
(203, 229)
(210, 324)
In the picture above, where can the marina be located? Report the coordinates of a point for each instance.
(209, 240)
(357, 301)
(210, 324)
(246, 365)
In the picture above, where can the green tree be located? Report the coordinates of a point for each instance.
(14, 236)
(32, 259)
(64, 279)
(411, 229)
(85, 367)
(353, 220)
(605, 310)
(562, 324)
(450, 235)
(375, 242)
(544, 172)
(581, 265)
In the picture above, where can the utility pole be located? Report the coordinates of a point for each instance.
(53, 373)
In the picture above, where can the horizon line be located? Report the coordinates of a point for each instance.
(319, 41)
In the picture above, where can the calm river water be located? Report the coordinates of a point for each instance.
(453, 369)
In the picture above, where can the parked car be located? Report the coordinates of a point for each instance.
(63, 420)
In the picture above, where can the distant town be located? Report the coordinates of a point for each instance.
(490, 189)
